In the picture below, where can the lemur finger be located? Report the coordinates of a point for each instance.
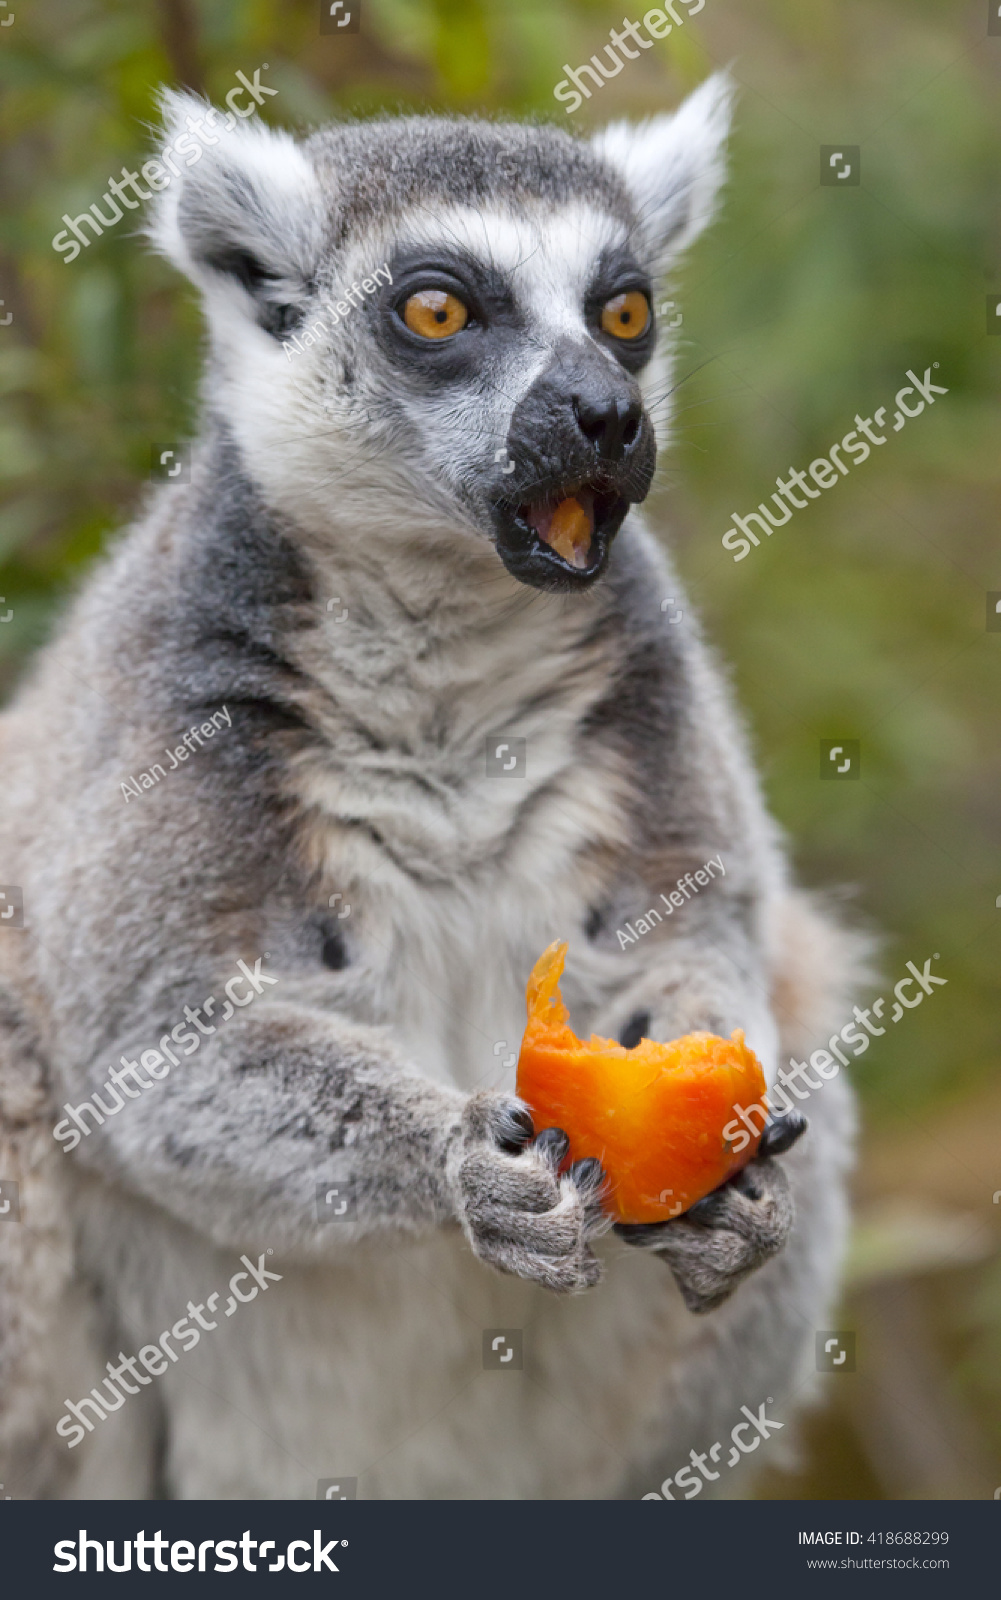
(587, 1177)
(498, 1119)
(552, 1233)
(488, 1178)
(515, 1130)
(589, 1180)
(552, 1145)
(569, 1275)
(576, 1212)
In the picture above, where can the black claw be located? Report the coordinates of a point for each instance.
(587, 1174)
(516, 1131)
(553, 1144)
(781, 1133)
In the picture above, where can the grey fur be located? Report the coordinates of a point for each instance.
(329, 575)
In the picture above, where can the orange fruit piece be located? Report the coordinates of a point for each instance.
(653, 1116)
(570, 530)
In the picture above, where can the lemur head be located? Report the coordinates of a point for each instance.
(429, 330)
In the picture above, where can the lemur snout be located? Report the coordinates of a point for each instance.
(586, 452)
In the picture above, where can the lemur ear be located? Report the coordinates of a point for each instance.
(673, 166)
(243, 216)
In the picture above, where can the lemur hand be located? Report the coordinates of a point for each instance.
(731, 1232)
(516, 1212)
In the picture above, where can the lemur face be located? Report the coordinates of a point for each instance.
(541, 326)
(449, 320)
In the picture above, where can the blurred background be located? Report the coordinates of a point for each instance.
(864, 618)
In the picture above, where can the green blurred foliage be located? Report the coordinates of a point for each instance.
(863, 617)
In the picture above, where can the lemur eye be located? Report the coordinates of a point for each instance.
(434, 314)
(627, 315)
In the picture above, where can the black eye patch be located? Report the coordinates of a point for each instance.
(481, 285)
(617, 273)
(483, 290)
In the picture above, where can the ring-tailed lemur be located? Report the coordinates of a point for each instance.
(408, 538)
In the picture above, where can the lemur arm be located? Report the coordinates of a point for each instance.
(280, 1100)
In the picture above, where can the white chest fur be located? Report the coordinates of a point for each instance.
(456, 812)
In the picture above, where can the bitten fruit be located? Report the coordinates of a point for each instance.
(567, 526)
(653, 1116)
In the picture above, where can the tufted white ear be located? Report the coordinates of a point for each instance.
(673, 166)
(241, 216)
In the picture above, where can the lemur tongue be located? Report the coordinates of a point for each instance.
(567, 526)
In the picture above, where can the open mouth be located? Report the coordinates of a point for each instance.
(566, 526)
(562, 539)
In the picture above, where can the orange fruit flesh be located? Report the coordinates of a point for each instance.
(653, 1116)
(569, 532)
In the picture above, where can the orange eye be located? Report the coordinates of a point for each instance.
(627, 315)
(434, 314)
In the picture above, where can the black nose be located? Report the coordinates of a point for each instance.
(611, 422)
